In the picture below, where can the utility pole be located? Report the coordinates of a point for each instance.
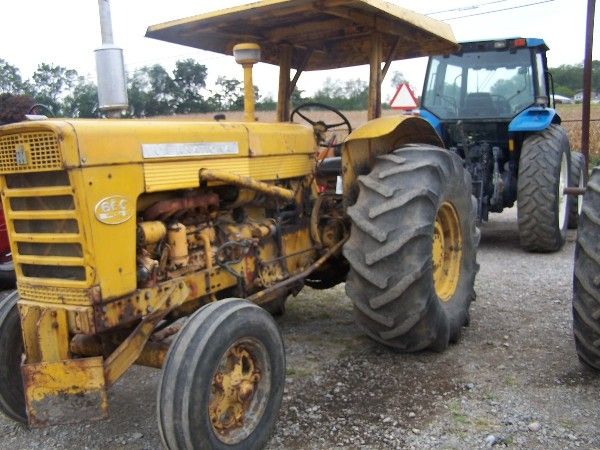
(110, 68)
(587, 83)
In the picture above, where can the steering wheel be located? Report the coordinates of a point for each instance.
(321, 127)
(450, 103)
(35, 109)
(501, 103)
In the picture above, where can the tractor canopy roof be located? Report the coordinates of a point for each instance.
(325, 34)
(501, 44)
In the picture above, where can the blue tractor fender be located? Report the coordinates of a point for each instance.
(433, 121)
(534, 118)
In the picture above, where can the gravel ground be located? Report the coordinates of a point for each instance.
(513, 379)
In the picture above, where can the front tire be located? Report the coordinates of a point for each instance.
(586, 289)
(12, 398)
(412, 249)
(222, 382)
(542, 207)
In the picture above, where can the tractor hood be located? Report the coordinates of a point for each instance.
(86, 143)
(171, 153)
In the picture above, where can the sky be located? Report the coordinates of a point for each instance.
(66, 32)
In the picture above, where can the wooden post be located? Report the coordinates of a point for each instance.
(374, 108)
(283, 96)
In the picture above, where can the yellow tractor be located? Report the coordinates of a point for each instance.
(156, 241)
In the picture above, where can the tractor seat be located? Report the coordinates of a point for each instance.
(479, 104)
(329, 167)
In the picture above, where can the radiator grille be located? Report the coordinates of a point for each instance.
(25, 152)
(45, 229)
(51, 294)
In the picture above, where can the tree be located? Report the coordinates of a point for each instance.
(297, 97)
(51, 83)
(266, 104)
(152, 92)
(569, 78)
(10, 79)
(348, 95)
(229, 95)
(189, 78)
(83, 101)
(397, 79)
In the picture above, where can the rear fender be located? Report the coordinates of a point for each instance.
(534, 118)
(379, 137)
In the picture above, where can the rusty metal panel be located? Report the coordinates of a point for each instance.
(65, 392)
(298, 250)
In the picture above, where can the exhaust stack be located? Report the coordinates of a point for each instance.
(110, 68)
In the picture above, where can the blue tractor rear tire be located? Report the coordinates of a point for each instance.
(542, 207)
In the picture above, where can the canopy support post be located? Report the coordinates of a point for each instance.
(284, 93)
(374, 107)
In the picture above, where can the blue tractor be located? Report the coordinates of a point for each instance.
(492, 103)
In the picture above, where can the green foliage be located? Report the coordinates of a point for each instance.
(83, 101)
(228, 95)
(296, 98)
(266, 104)
(564, 90)
(397, 79)
(153, 91)
(351, 95)
(49, 84)
(10, 79)
(189, 78)
(569, 78)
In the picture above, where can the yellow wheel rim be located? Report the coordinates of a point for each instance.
(446, 252)
(239, 390)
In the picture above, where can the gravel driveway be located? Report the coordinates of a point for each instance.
(513, 380)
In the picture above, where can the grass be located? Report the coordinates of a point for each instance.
(300, 372)
(457, 413)
(571, 116)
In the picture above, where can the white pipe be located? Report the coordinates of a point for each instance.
(105, 22)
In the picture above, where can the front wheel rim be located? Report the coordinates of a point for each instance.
(239, 391)
(579, 198)
(446, 252)
(562, 198)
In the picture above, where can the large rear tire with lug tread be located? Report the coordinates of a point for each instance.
(12, 398)
(542, 208)
(586, 289)
(222, 381)
(577, 179)
(412, 249)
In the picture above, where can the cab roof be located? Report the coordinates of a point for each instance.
(325, 34)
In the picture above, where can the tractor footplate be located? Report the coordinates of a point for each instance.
(65, 392)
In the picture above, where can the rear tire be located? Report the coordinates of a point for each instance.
(12, 398)
(542, 207)
(229, 355)
(586, 288)
(391, 249)
(577, 180)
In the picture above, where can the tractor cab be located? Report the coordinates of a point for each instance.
(487, 81)
(484, 101)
